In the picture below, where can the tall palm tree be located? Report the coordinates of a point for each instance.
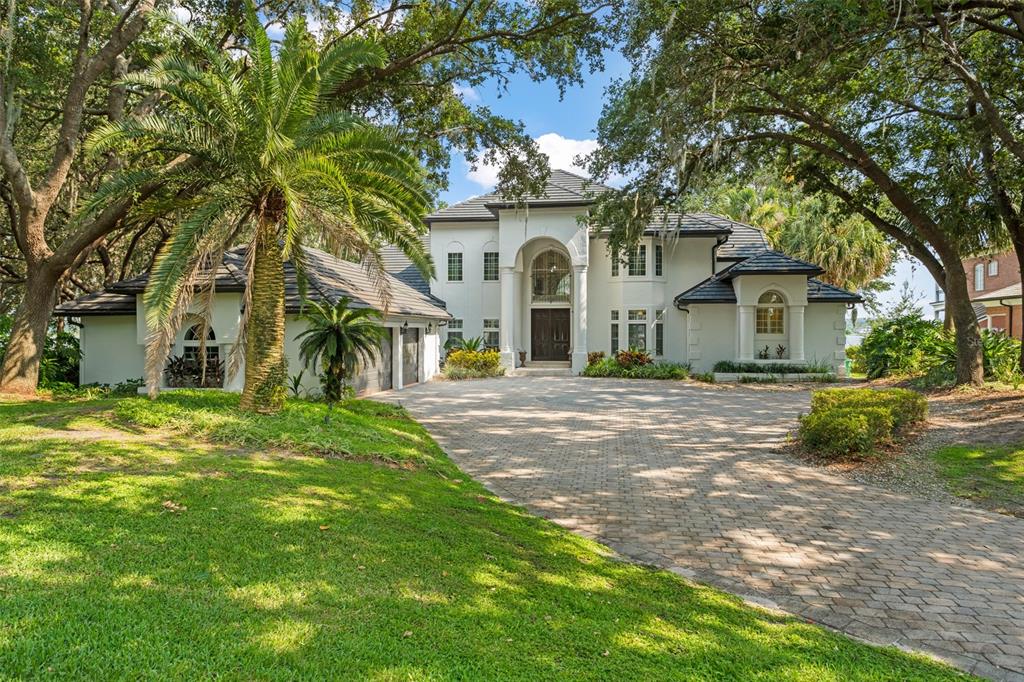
(339, 339)
(267, 159)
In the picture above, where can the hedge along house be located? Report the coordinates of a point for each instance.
(113, 326)
(538, 282)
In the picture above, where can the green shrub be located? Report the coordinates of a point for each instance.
(906, 406)
(459, 373)
(732, 367)
(594, 357)
(765, 379)
(704, 377)
(855, 355)
(841, 432)
(610, 367)
(900, 344)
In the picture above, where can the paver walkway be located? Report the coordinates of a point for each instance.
(684, 477)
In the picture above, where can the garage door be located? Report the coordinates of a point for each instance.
(410, 357)
(377, 376)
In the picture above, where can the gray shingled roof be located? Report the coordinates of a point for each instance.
(744, 242)
(399, 265)
(329, 279)
(773, 263)
(718, 289)
(562, 188)
(98, 303)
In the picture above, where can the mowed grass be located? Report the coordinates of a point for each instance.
(992, 475)
(132, 547)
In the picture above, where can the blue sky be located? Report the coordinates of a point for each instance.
(564, 128)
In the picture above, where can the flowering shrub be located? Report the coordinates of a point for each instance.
(633, 357)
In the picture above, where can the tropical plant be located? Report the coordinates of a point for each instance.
(899, 344)
(339, 339)
(473, 364)
(271, 163)
(473, 343)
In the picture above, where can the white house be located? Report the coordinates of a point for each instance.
(537, 281)
(113, 324)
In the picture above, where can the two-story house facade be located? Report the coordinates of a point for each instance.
(995, 284)
(535, 280)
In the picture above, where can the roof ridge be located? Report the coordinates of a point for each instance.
(583, 177)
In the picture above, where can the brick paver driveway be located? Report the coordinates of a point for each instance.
(685, 477)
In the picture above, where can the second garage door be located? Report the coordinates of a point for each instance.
(410, 357)
(378, 375)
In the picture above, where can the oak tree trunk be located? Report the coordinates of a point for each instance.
(970, 367)
(19, 373)
(265, 364)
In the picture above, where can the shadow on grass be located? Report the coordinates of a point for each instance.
(275, 566)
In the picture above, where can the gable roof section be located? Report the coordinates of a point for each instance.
(772, 263)
(329, 279)
(562, 189)
(744, 241)
(822, 292)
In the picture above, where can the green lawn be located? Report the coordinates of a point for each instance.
(205, 548)
(992, 475)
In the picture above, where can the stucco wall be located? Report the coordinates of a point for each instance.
(825, 334)
(110, 352)
(712, 334)
(472, 299)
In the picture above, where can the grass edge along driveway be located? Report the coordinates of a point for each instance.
(180, 538)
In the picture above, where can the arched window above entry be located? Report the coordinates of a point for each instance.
(550, 278)
(196, 330)
(771, 314)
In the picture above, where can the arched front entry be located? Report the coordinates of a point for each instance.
(550, 295)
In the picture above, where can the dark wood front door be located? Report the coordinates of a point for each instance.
(549, 334)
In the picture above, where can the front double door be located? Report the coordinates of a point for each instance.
(549, 334)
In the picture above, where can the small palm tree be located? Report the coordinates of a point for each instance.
(475, 343)
(339, 339)
(264, 157)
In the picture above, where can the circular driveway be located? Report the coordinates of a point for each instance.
(688, 477)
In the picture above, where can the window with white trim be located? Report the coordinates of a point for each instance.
(979, 277)
(454, 267)
(615, 265)
(638, 261)
(771, 314)
(490, 266)
(993, 268)
(491, 332)
(659, 333)
(637, 328)
(615, 332)
(454, 330)
(659, 260)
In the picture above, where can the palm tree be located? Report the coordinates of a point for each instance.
(339, 339)
(268, 160)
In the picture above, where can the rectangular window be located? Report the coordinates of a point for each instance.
(615, 332)
(490, 266)
(770, 320)
(979, 277)
(615, 265)
(993, 268)
(637, 328)
(658, 261)
(491, 332)
(638, 261)
(659, 333)
(454, 267)
(454, 330)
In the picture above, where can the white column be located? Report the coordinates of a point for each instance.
(745, 332)
(579, 327)
(507, 322)
(396, 358)
(796, 332)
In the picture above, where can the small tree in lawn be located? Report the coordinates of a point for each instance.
(339, 339)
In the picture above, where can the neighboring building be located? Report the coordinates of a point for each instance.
(113, 325)
(994, 283)
(537, 283)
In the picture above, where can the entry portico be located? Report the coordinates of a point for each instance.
(543, 288)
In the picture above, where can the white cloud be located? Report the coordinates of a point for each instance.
(561, 153)
(466, 92)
